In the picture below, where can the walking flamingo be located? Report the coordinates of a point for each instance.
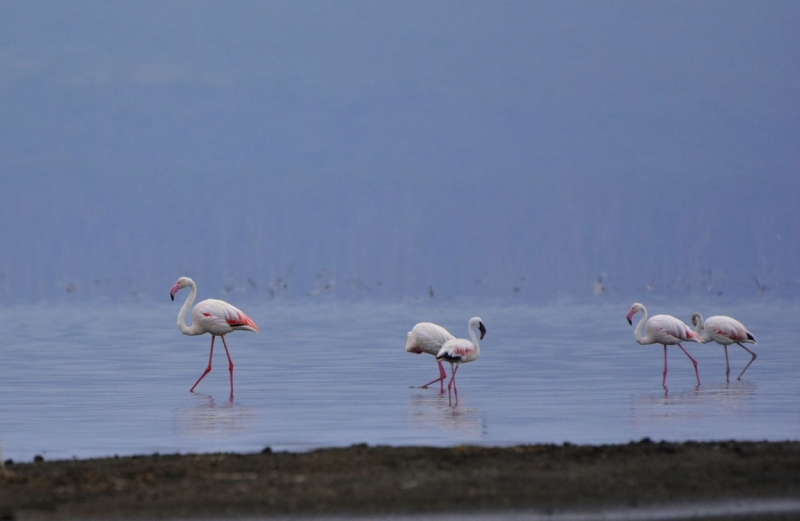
(665, 330)
(461, 351)
(725, 330)
(427, 337)
(210, 316)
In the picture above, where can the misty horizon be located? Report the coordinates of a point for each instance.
(507, 150)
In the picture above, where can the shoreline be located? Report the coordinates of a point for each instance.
(361, 480)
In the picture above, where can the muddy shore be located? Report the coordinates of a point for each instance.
(362, 480)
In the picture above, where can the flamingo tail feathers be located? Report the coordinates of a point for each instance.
(243, 322)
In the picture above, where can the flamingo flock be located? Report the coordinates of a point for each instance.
(218, 318)
(668, 330)
(427, 337)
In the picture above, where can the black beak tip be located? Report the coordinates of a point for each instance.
(171, 296)
(630, 322)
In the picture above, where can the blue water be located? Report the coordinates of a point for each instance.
(90, 380)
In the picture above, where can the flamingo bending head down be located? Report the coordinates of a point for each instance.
(725, 331)
(427, 337)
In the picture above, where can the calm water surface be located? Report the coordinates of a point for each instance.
(85, 381)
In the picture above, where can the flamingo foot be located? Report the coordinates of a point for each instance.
(694, 363)
(432, 382)
(230, 362)
(441, 379)
(753, 359)
(208, 370)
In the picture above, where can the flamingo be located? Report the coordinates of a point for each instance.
(665, 330)
(210, 316)
(725, 330)
(427, 337)
(461, 351)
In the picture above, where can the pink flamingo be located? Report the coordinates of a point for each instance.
(665, 330)
(461, 351)
(725, 330)
(210, 316)
(427, 337)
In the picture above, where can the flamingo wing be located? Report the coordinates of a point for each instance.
(457, 350)
(427, 337)
(668, 330)
(727, 330)
(218, 317)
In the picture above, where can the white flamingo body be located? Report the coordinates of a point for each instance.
(461, 351)
(210, 316)
(427, 337)
(218, 318)
(725, 331)
(665, 330)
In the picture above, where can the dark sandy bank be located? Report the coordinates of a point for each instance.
(401, 480)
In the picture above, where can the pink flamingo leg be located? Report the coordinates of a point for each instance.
(452, 384)
(230, 362)
(664, 379)
(208, 369)
(748, 363)
(727, 365)
(453, 379)
(694, 362)
(441, 379)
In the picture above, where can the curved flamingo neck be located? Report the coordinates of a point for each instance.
(187, 330)
(700, 328)
(637, 333)
(475, 341)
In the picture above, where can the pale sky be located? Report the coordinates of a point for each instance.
(384, 148)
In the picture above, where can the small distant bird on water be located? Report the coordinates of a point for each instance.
(210, 316)
(427, 337)
(461, 351)
(665, 330)
(725, 331)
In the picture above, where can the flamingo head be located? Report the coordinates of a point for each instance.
(634, 309)
(477, 322)
(697, 319)
(179, 285)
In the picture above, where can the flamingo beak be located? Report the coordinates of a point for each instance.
(482, 329)
(172, 292)
(630, 316)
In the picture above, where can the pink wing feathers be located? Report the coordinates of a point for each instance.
(667, 329)
(728, 330)
(219, 317)
(458, 350)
